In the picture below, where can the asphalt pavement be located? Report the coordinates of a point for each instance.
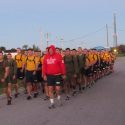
(103, 104)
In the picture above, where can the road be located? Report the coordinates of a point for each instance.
(104, 104)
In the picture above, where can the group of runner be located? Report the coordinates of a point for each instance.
(55, 71)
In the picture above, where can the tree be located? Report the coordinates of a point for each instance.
(35, 47)
(25, 47)
(3, 48)
(13, 50)
(121, 48)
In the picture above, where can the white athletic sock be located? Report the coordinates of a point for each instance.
(58, 97)
(52, 101)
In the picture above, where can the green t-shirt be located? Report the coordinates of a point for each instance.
(68, 60)
(12, 66)
(81, 61)
(3, 65)
(76, 64)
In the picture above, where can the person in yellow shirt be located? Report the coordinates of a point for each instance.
(38, 79)
(45, 86)
(95, 65)
(113, 58)
(98, 65)
(20, 61)
(89, 68)
(106, 62)
(102, 63)
(31, 65)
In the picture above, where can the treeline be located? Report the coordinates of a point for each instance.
(24, 47)
(120, 48)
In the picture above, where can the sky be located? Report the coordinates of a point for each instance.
(77, 22)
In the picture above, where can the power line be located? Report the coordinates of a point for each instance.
(89, 34)
(107, 36)
(115, 31)
(117, 28)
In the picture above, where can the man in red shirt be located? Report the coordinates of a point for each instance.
(54, 72)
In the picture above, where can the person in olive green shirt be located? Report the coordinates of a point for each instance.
(11, 80)
(4, 76)
(81, 62)
(76, 70)
(68, 60)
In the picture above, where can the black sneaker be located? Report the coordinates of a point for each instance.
(10, 97)
(74, 93)
(80, 92)
(46, 98)
(16, 95)
(43, 91)
(35, 95)
(83, 88)
(29, 98)
(80, 88)
(89, 86)
(67, 98)
(9, 101)
(52, 106)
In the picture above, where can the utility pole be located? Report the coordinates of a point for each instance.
(115, 32)
(47, 39)
(62, 40)
(107, 36)
(41, 41)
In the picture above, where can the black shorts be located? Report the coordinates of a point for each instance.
(20, 75)
(95, 68)
(107, 65)
(103, 65)
(10, 79)
(82, 71)
(69, 76)
(113, 61)
(89, 72)
(54, 80)
(39, 76)
(30, 77)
